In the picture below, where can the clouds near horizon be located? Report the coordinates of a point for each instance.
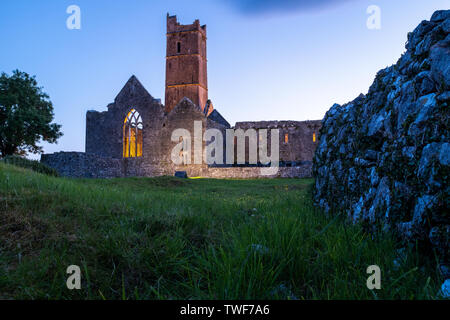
(254, 7)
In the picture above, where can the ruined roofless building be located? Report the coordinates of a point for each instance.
(133, 136)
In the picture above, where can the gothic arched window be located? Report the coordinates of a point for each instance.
(132, 135)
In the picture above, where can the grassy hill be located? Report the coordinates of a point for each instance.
(167, 238)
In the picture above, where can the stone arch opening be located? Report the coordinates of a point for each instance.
(132, 135)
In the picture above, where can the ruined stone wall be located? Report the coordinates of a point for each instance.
(104, 130)
(300, 171)
(384, 158)
(83, 165)
(105, 142)
(158, 145)
(104, 139)
(183, 116)
(302, 138)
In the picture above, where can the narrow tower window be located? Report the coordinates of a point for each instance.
(286, 138)
(178, 47)
(132, 135)
(182, 151)
(314, 137)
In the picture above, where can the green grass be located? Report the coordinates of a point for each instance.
(30, 164)
(167, 238)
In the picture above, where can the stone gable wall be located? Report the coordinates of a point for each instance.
(104, 130)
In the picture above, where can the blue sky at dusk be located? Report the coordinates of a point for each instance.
(267, 60)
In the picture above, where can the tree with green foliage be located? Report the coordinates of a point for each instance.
(26, 115)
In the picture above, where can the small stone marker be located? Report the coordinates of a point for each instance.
(181, 174)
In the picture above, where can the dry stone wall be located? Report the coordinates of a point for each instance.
(384, 157)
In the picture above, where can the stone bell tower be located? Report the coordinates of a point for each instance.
(186, 73)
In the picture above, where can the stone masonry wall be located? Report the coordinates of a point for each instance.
(186, 63)
(104, 130)
(302, 136)
(384, 158)
(300, 171)
(104, 141)
(82, 165)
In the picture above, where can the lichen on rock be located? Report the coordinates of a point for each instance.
(384, 158)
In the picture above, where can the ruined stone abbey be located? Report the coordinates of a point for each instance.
(134, 136)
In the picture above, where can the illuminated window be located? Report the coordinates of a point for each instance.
(132, 135)
(286, 138)
(314, 137)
